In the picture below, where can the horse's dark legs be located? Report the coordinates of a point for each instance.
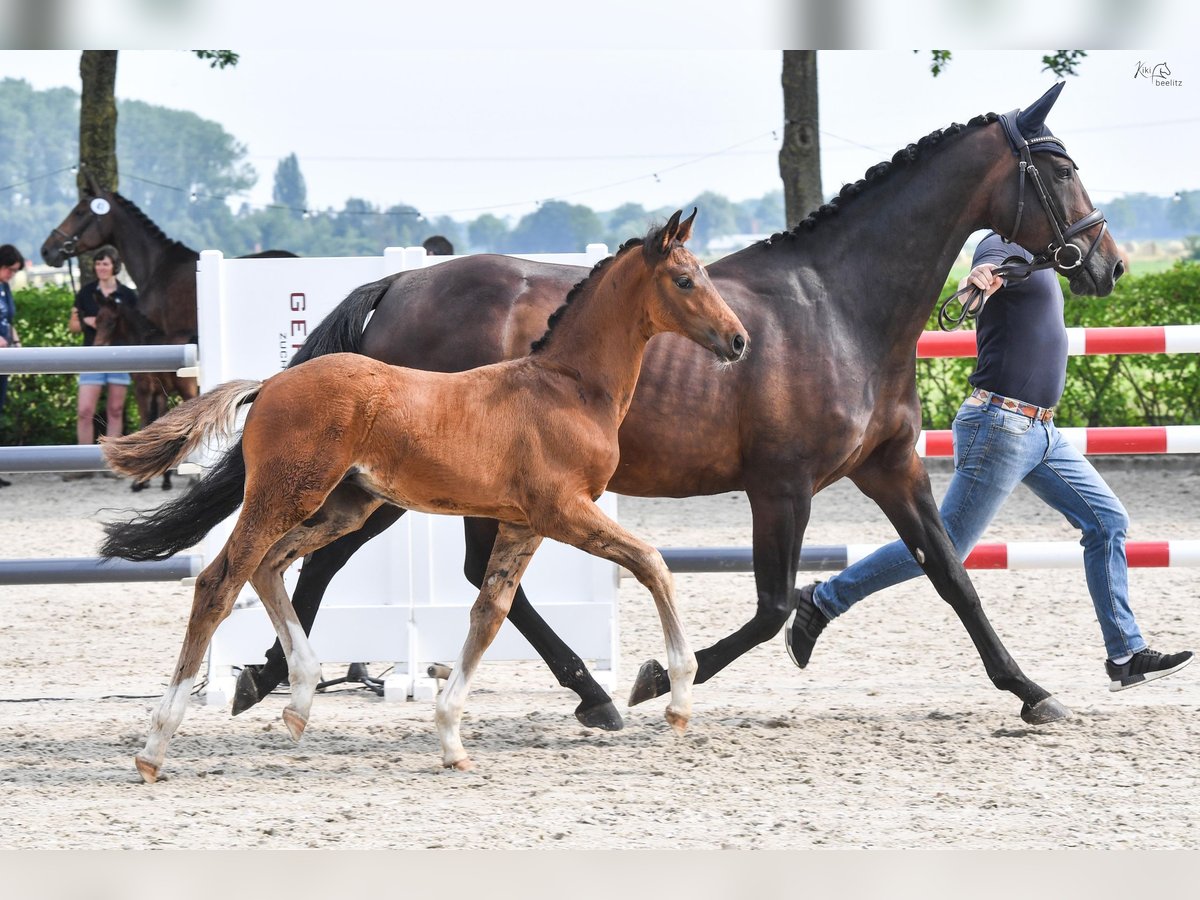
(779, 524)
(256, 682)
(595, 709)
(903, 493)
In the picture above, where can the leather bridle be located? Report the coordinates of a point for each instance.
(1061, 254)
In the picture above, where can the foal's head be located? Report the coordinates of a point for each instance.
(682, 299)
(110, 325)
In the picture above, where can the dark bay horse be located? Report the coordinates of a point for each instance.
(835, 307)
(163, 269)
(530, 443)
(119, 323)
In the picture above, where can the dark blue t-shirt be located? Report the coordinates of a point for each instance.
(1020, 335)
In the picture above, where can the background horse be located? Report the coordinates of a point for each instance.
(836, 307)
(530, 442)
(119, 323)
(163, 269)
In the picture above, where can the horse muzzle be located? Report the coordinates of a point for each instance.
(732, 347)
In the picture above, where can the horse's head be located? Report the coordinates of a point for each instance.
(685, 300)
(1042, 205)
(86, 227)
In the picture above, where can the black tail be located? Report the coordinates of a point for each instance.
(185, 521)
(341, 331)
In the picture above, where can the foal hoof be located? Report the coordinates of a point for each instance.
(139, 486)
(652, 681)
(678, 721)
(295, 723)
(603, 716)
(462, 765)
(246, 693)
(1044, 712)
(146, 769)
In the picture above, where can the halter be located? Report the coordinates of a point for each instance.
(1058, 253)
(96, 208)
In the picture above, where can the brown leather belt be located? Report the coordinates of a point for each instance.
(1040, 413)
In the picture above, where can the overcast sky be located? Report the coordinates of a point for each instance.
(473, 131)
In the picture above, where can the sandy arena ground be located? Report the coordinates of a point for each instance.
(893, 737)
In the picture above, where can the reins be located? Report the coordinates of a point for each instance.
(1015, 268)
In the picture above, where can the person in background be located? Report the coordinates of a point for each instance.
(11, 262)
(438, 246)
(83, 319)
(1004, 435)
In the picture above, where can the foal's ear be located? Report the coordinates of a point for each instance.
(685, 227)
(668, 232)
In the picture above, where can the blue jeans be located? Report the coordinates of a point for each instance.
(994, 449)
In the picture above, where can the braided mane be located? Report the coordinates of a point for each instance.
(878, 172)
(148, 223)
(578, 289)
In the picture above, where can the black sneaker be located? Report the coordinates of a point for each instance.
(800, 636)
(1143, 666)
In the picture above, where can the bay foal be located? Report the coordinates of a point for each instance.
(530, 442)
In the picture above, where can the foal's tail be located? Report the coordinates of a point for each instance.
(160, 446)
(341, 331)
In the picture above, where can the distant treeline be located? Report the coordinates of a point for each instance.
(178, 168)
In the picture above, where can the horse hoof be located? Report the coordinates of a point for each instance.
(1044, 712)
(295, 723)
(146, 769)
(677, 721)
(652, 681)
(439, 670)
(603, 716)
(246, 693)
(138, 486)
(462, 765)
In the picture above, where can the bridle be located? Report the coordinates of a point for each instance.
(1060, 254)
(69, 246)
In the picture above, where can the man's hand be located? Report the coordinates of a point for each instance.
(981, 277)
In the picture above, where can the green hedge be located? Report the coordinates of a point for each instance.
(41, 408)
(1101, 390)
(1159, 389)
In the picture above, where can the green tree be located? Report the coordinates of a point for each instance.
(487, 233)
(556, 227)
(717, 216)
(290, 189)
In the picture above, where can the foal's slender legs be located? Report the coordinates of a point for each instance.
(216, 589)
(584, 525)
(256, 682)
(514, 547)
(302, 661)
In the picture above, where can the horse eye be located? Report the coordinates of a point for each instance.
(683, 282)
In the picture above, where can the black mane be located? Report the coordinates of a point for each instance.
(877, 172)
(557, 315)
(150, 224)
